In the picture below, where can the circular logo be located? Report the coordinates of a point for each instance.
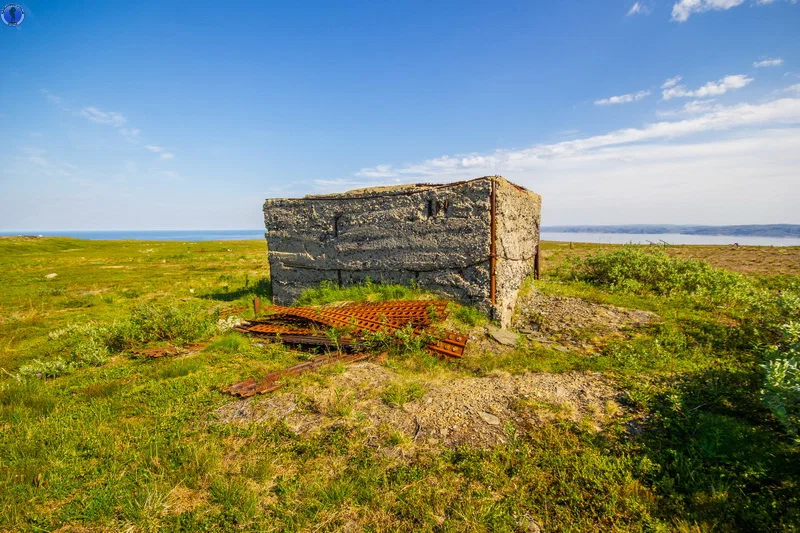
(12, 15)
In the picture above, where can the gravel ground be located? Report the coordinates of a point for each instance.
(473, 411)
(476, 411)
(575, 323)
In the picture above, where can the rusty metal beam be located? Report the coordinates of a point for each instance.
(493, 244)
(272, 381)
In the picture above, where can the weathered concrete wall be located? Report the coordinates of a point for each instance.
(518, 216)
(438, 235)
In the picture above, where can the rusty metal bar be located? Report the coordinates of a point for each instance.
(272, 381)
(493, 243)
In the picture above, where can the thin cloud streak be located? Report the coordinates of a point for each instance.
(623, 98)
(672, 89)
(772, 62)
(112, 118)
(683, 9)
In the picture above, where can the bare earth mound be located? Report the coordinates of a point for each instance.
(473, 411)
(573, 322)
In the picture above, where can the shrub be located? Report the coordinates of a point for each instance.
(637, 271)
(403, 342)
(149, 323)
(80, 345)
(781, 386)
(77, 346)
(46, 369)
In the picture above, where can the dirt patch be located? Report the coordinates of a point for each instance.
(182, 500)
(575, 323)
(461, 411)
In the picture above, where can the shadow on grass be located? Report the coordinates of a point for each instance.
(261, 288)
(717, 452)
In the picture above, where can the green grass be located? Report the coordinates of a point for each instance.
(398, 394)
(368, 291)
(126, 443)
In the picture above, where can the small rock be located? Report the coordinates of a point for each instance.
(489, 418)
(51, 276)
(529, 525)
(503, 336)
(561, 348)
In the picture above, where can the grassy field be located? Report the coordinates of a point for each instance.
(95, 438)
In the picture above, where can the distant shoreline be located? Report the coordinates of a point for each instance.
(674, 235)
(750, 230)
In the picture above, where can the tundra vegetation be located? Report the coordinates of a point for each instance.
(96, 437)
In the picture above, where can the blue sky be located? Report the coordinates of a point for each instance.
(186, 115)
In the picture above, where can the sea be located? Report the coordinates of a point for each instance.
(258, 234)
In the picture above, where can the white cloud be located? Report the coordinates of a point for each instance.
(700, 106)
(132, 134)
(771, 62)
(52, 98)
(732, 164)
(639, 8)
(691, 108)
(623, 99)
(380, 171)
(683, 9)
(671, 82)
(36, 162)
(111, 118)
(712, 88)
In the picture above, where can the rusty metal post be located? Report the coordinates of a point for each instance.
(256, 305)
(493, 244)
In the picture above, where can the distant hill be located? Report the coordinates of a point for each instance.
(751, 230)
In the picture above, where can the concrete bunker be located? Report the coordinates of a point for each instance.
(474, 241)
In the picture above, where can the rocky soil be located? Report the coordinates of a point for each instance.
(573, 323)
(475, 411)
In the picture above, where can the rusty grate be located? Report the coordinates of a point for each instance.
(302, 325)
(358, 319)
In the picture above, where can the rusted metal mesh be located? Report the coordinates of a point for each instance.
(301, 325)
(307, 325)
(271, 382)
